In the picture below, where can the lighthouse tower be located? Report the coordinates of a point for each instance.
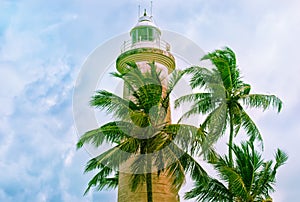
(144, 47)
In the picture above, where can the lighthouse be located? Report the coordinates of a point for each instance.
(144, 47)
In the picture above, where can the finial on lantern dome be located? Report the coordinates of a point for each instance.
(151, 8)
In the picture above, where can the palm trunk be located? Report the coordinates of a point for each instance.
(148, 174)
(149, 187)
(230, 143)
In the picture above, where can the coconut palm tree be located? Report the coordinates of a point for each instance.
(224, 98)
(141, 132)
(251, 177)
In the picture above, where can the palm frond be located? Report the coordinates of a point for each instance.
(137, 180)
(188, 137)
(181, 163)
(107, 163)
(242, 90)
(225, 62)
(246, 160)
(262, 101)
(102, 181)
(139, 168)
(112, 132)
(192, 166)
(114, 156)
(202, 106)
(209, 189)
(148, 95)
(236, 110)
(176, 173)
(250, 127)
(215, 124)
(264, 180)
(113, 104)
(281, 157)
(195, 97)
(237, 184)
(154, 75)
(134, 78)
(173, 79)
(104, 159)
(201, 76)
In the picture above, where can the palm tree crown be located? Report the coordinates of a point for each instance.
(252, 179)
(224, 98)
(141, 132)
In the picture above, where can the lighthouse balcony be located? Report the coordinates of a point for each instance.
(157, 44)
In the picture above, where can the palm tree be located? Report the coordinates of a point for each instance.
(251, 177)
(142, 132)
(225, 97)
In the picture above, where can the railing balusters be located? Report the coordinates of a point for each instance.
(128, 45)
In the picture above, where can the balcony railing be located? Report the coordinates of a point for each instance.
(161, 44)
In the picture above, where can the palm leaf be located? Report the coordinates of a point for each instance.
(201, 76)
(113, 104)
(182, 163)
(102, 181)
(281, 158)
(173, 80)
(112, 132)
(225, 62)
(185, 136)
(209, 189)
(215, 125)
(202, 99)
(262, 101)
(202, 106)
(250, 127)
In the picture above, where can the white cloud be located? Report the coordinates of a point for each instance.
(44, 44)
(11, 85)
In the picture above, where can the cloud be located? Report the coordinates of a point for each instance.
(10, 87)
(44, 44)
(264, 35)
(36, 120)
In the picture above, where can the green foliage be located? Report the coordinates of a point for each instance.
(142, 133)
(250, 178)
(224, 98)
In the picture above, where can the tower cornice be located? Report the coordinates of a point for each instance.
(146, 54)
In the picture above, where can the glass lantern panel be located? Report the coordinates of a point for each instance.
(134, 36)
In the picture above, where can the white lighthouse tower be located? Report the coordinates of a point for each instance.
(144, 47)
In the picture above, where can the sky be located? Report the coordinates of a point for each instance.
(44, 44)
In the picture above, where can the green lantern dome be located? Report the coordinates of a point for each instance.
(145, 30)
(145, 45)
